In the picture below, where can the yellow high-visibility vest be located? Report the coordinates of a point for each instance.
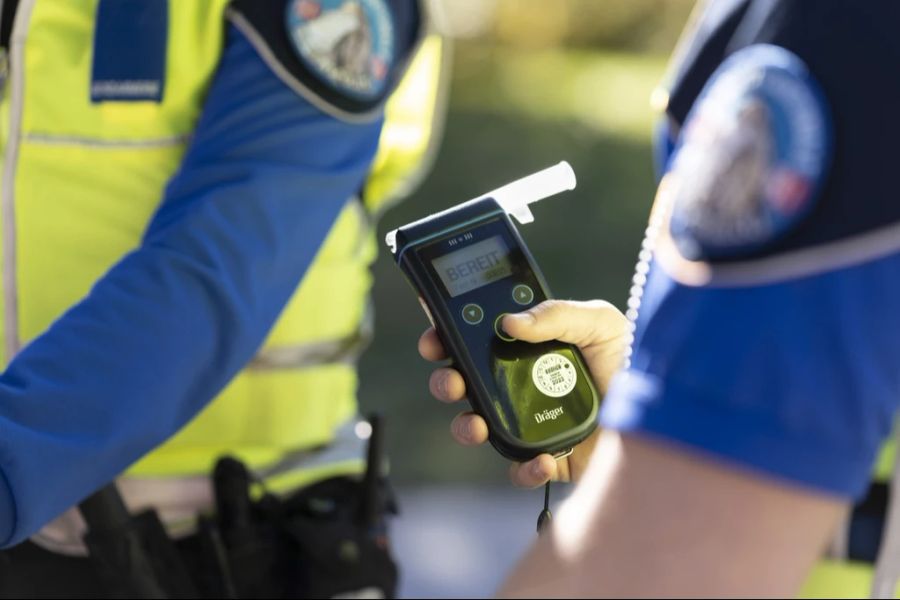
(81, 181)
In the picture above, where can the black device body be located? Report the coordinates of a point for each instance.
(470, 267)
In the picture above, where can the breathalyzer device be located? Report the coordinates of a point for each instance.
(470, 268)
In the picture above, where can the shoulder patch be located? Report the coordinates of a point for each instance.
(755, 149)
(349, 44)
(345, 56)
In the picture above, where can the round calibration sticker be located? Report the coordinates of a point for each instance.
(554, 375)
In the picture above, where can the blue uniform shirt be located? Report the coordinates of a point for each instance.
(767, 333)
(167, 327)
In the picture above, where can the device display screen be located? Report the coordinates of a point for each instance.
(474, 266)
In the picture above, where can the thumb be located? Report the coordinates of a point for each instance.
(579, 323)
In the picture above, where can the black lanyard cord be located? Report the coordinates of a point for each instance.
(546, 516)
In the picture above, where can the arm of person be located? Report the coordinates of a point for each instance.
(650, 519)
(168, 326)
(647, 518)
(762, 376)
(596, 327)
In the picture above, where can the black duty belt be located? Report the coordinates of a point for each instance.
(322, 541)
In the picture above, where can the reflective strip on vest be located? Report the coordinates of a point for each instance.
(68, 163)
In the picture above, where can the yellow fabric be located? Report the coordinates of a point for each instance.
(413, 118)
(330, 301)
(832, 579)
(884, 466)
(88, 179)
(264, 411)
(58, 59)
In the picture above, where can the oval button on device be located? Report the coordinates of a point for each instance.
(498, 329)
(472, 314)
(522, 294)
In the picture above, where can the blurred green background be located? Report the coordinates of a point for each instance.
(534, 82)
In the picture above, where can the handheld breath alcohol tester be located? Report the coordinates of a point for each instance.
(470, 267)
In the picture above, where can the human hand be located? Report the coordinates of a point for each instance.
(598, 329)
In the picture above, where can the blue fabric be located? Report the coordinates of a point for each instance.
(752, 159)
(129, 50)
(174, 321)
(663, 146)
(845, 46)
(798, 380)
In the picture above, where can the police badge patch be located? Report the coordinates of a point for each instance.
(752, 156)
(345, 56)
(349, 43)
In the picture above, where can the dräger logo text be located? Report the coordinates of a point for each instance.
(549, 415)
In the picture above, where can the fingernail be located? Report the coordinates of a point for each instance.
(442, 385)
(525, 318)
(537, 469)
(467, 430)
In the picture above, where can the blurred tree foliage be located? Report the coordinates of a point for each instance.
(636, 25)
(543, 81)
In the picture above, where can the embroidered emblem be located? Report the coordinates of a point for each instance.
(752, 156)
(347, 43)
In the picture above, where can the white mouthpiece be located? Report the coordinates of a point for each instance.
(515, 197)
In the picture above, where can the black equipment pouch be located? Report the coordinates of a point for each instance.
(323, 541)
(334, 554)
(311, 544)
(132, 555)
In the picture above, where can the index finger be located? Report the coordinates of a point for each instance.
(430, 346)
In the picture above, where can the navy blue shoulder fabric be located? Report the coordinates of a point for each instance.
(702, 53)
(851, 50)
(752, 157)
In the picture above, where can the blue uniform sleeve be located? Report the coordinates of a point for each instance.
(796, 380)
(167, 327)
(765, 305)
